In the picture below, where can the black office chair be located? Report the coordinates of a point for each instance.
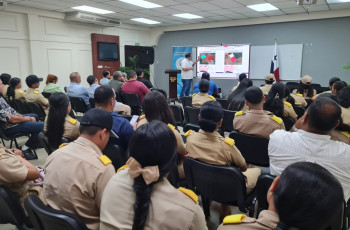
(254, 149)
(12, 139)
(292, 85)
(116, 154)
(288, 123)
(45, 218)
(190, 126)
(45, 143)
(178, 114)
(191, 115)
(162, 91)
(78, 104)
(21, 106)
(92, 102)
(11, 211)
(187, 101)
(134, 101)
(46, 95)
(308, 101)
(262, 187)
(299, 111)
(37, 109)
(222, 102)
(227, 121)
(223, 184)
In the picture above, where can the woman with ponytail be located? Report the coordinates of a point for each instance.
(140, 197)
(236, 100)
(58, 123)
(14, 90)
(274, 100)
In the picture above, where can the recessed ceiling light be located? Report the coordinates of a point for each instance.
(142, 3)
(92, 10)
(187, 16)
(145, 20)
(263, 7)
(337, 1)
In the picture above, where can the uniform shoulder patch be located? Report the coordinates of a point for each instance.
(62, 145)
(277, 119)
(189, 193)
(346, 133)
(20, 91)
(72, 121)
(193, 95)
(188, 133)
(0, 154)
(105, 160)
(123, 167)
(171, 127)
(234, 219)
(288, 104)
(36, 91)
(299, 94)
(229, 141)
(239, 113)
(142, 116)
(211, 97)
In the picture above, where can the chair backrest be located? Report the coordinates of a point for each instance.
(292, 85)
(134, 101)
(118, 97)
(44, 217)
(186, 101)
(92, 102)
(193, 127)
(116, 154)
(37, 109)
(288, 122)
(191, 115)
(222, 101)
(46, 95)
(262, 187)
(21, 106)
(44, 142)
(78, 104)
(223, 184)
(254, 149)
(299, 111)
(178, 114)
(162, 91)
(227, 122)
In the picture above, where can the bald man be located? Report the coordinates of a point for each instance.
(75, 89)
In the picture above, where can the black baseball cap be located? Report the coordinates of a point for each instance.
(99, 118)
(32, 79)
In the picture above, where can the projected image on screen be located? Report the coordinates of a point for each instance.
(207, 58)
(233, 58)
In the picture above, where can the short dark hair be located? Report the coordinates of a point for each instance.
(91, 79)
(324, 113)
(206, 76)
(242, 76)
(5, 78)
(105, 73)
(89, 130)
(203, 86)
(338, 85)
(131, 74)
(139, 72)
(103, 95)
(254, 95)
(188, 55)
(344, 97)
(329, 95)
(333, 79)
(269, 82)
(210, 114)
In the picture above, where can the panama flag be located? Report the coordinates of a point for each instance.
(274, 65)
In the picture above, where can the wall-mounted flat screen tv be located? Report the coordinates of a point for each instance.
(108, 51)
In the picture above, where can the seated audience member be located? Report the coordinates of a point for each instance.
(33, 95)
(288, 110)
(236, 100)
(75, 89)
(133, 86)
(105, 99)
(77, 174)
(124, 76)
(208, 146)
(311, 142)
(269, 80)
(51, 85)
(93, 82)
(117, 81)
(106, 77)
(14, 90)
(344, 101)
(58, 123)
(140, 196)
(5, 78)
(213, 89)
(274, 101)
(200, 98)
(256, 121)
(305, 87)
(331, 82)
(14, 123)
(337, 86)
(240, 78)
(294, 204)
(140, 75)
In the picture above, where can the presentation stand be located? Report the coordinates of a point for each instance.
(172, 82)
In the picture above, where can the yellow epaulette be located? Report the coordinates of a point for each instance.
(188, 133)
(239, 113)
(20, 91)
(0, 154)
(62, 145)
(171, 127)
(211, 97)
(300, 95)
(345, 133)
(123, 167)
(72, 121)
(229, 141)
(105, 160)
(142, 116)
(277, 119)
(193, 95)
(36, 91)
(288, 104)
(189, 193)
(234, 219)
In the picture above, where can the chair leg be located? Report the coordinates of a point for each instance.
(16, 144)
(3, 142)
(206, 207)
(251, 208)
(11, 143)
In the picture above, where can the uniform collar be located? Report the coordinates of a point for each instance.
(314, 136)
(31, 90)
(85, 142)
(213, 134)
(255, 111)
(268, 218)
(202, 94)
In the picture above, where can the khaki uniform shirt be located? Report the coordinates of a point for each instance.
(288, 111)
(266, 89)
(305, 93)
(256, 122)
(71, 128)
(4, 91)
(19, 94)
(337, 135)
(345, 115)
(299, 100)
(169, 208)
(267, 220)
(75, 180)
(200, 98)
(32, 95)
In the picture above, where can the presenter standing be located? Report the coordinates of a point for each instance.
(187, 67)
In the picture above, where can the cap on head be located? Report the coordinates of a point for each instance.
(32, 79)
(270, 77)
(306, 80)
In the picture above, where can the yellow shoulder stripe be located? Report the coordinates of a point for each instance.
(62, 145)
(20, 91)
(229, 141)
(277, 119)
(288, 104)
(0, 154)
(123, 167)
(193, 95)
(300, 95)
(189, 193)
(188, 133)
(234, 219)
(105, 160)
(171, 127)
(239, 113)
(346, 133)
(211, 97)
(36, 91)
(72, 121)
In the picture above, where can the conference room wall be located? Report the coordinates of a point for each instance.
(326, 46)
(40, 42)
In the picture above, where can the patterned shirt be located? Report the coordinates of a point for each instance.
(6, 112)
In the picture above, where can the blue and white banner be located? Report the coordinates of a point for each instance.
(178, 55)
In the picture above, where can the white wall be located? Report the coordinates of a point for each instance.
(40, 42)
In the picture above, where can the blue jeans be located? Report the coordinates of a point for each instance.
(186, 86)
(29, 127)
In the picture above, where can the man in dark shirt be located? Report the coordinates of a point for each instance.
(147, 83)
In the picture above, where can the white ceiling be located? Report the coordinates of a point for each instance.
(210, 10)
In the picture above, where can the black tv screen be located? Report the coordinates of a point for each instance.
(108, 51)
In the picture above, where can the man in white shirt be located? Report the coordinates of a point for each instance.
(187, 67)
(311, 142)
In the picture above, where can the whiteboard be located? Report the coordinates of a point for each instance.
(289, 60)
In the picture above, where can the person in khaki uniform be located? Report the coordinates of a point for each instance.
(331, 82)
(256, 121)
(288, 197)
(288, 111)
(240, 78)
(33, 95)
(199, 99)
(140, 196)
(269, 80)
(305, 87)
(299, 100)
(14, 90)
(77, 174)
(5, 78)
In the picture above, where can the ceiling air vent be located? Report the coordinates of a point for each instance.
(90, 18)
